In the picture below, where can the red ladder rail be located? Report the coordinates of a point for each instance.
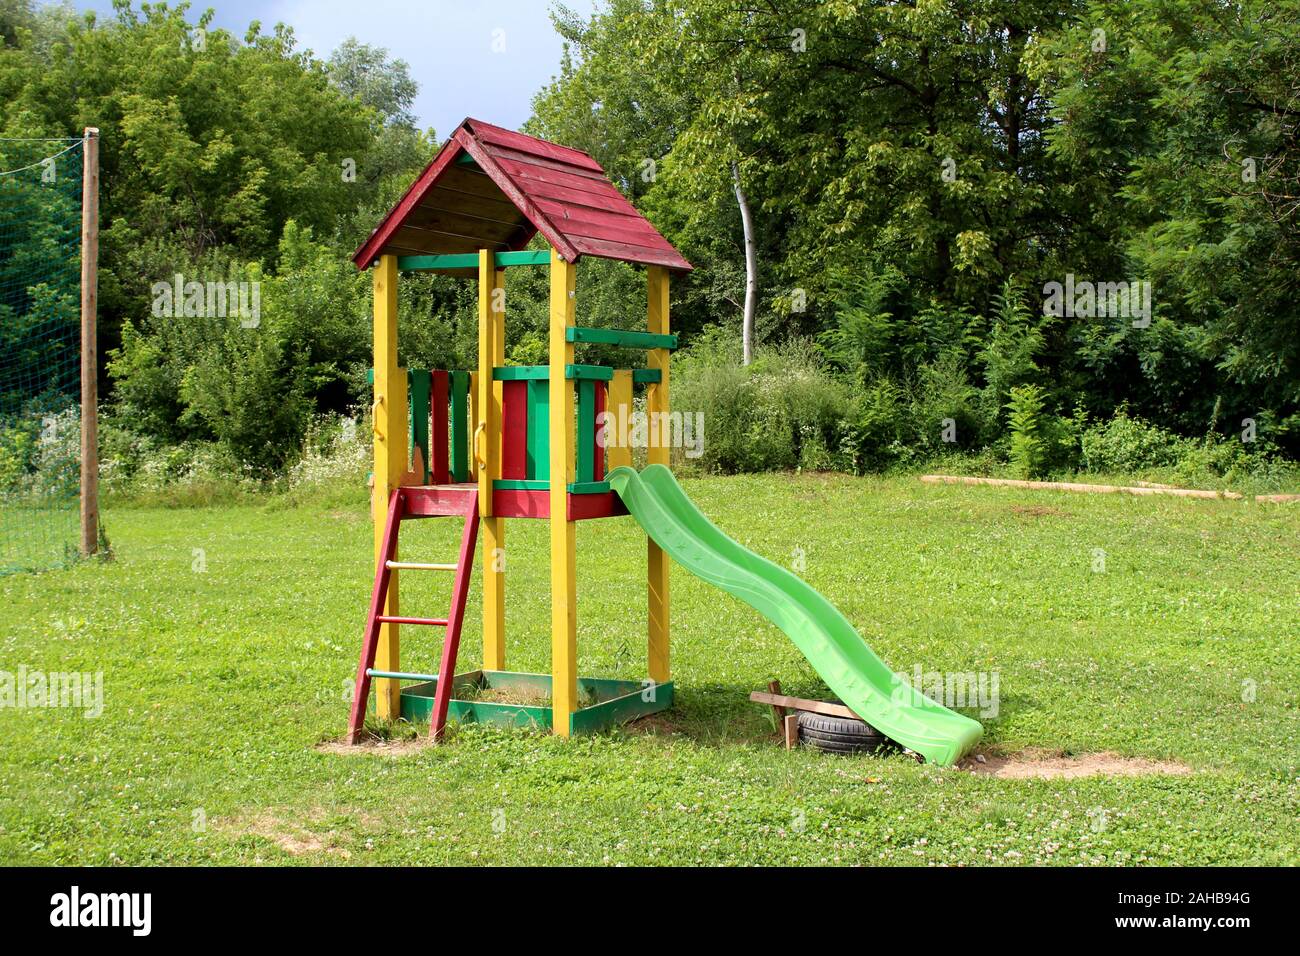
(456, 617)
(383, 574)
(453, 621)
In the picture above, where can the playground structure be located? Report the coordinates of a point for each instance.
(525, 442)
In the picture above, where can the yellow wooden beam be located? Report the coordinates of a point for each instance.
(619, 407)
(390, 442)
(564, 596)
(657, 409)
(492, 353)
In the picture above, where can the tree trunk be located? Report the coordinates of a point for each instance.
(751, 267)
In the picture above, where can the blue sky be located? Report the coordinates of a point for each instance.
(448, 43)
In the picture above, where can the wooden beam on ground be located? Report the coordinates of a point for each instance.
(799, 703)
(1077, 486)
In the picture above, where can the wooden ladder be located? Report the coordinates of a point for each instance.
(464, 502)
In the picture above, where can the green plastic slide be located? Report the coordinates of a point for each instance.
(823, 635)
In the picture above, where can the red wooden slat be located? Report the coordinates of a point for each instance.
(598, 459)
(514, 430)
(635, 232)
(610, 201)
(517, 196)
(438, 419)
(488, 133)
(620, 250)
(524, 173)
(503, 152)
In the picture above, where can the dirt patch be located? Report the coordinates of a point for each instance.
(287, 831)
(371, 744)
(653, 725)
(1054, 765)
(1038, 511)
(519, 696)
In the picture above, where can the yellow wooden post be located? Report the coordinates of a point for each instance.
(564, 596)
(657, 409)
(389, 425)
(474, 419)
(619, 407)
(492, 353)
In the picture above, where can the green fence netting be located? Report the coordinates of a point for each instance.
(40, 357)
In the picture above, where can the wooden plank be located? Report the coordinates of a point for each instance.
(89, 342)
(595, 373)
(597, 434)
(419, 389)
(524, 203)
(564, 620)
(657, 576)
(610, 201)
(488, 427)
(539, 430)
(459, 426)
(492, 315)
(627, 226)
(439, 461)
(628, 253)
(617, 454)
(621, 337)
(514, 430)
(585, 466)
(800, 703)
(526, 172)
(790, 730)
(473, 424)
(533, 159)
(436, 219)
(1077, 486)
(530, 145)
(647, 376)
(390, 462)
(516, 373)
(778, 712)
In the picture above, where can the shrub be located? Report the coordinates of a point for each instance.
(1126, 444)
(1029, 446)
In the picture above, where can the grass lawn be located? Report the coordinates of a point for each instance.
(227, 636)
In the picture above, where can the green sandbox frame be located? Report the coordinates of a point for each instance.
(614, 701)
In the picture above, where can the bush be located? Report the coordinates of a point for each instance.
(783, 411)
(1125, 444)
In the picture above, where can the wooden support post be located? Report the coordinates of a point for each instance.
(89, 348)
(564, 620)
(491, 353)
(619, 406)
(778, 712)
(390, 435)
(657, 408)
(790, 727)
(473, 419)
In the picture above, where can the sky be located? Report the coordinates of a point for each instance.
(449, 45)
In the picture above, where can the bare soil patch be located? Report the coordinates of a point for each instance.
(1036, 764)
(370, 744)
(1038, 511)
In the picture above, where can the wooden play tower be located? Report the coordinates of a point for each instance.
(508, 441)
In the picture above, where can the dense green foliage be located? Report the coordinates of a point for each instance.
(919, 174)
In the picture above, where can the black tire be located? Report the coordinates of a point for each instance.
(840, 735)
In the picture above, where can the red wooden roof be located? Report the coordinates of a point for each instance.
(490, 188)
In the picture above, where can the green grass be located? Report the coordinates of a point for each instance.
(219, 685)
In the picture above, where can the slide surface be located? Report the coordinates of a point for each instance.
(823, 635)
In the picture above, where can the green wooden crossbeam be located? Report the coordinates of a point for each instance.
(521, 373)
(629, 340)
(647, 376)
(588, 487)
(469, 260)
(594, 373)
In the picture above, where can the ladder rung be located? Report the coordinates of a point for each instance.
(400, 675)
(412, 566)
(429, 621)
